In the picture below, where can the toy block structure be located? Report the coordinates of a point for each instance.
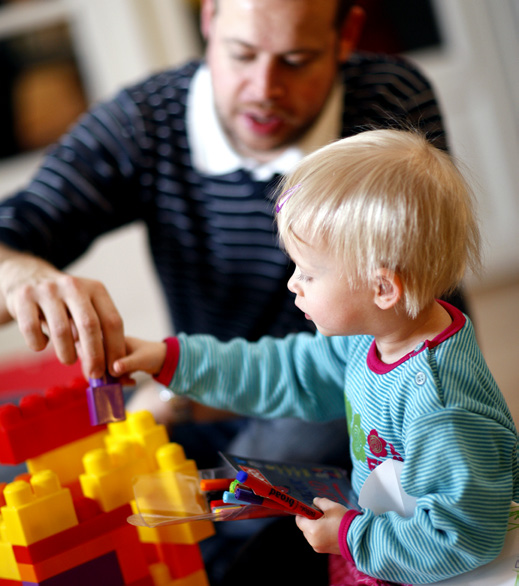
(65, 521)
(44, 422)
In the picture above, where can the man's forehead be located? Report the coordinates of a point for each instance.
(279, 26)
(293, 14)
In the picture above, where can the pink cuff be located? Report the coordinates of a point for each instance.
(170, 363)
(343, 532)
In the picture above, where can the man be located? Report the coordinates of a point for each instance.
(194, 153)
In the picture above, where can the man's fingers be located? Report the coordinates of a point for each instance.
(80, 296)
(112, 327)
(28, 316)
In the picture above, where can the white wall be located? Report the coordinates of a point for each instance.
(118, 42)
(477, 79)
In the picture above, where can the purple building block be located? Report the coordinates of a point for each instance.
(105, 400)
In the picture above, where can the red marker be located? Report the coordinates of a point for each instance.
(267, 490)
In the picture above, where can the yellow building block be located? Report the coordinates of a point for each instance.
(66, 461)
(171, 457)
(8, 566)
(37, 510)
(108, 474)
(161, 577)
(173, 490)
(140, 428)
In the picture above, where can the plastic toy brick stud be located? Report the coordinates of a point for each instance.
(105, 400)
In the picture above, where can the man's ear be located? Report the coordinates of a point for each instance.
(350, 32)
(207, 12)
(388, 289)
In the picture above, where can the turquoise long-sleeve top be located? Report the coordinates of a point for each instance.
(438, 409)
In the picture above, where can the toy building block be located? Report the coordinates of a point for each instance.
(93, 523)
(66, 461)
(37, 510)
(171, 457)
(181, 560)
(162, 577)
(103, 571)
(160, 574)
(105, 400)
(97, 534)
(122, 541)
(197, 579)
(176, 485)
(43, 423)
(140, 428)
(108, 474)
(8, 566)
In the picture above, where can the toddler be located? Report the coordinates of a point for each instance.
(379, 226)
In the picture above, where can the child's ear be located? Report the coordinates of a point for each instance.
(388, 289)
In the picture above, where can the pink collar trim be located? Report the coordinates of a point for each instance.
(458, 321)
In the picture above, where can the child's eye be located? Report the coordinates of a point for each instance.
(304, 278)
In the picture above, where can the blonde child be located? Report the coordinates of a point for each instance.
(380, 226)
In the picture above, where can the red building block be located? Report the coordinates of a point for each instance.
(182, 560)
(44, 422)
(102, 571)
(92, 524)
(120, 542)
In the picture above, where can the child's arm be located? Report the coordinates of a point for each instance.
(271, 377)
(323, 533)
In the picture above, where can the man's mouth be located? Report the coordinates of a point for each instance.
(261, 123)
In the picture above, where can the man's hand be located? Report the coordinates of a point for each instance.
(322, 534)
(75, 314)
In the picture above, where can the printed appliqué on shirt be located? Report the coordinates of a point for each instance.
(376, 444)
(358, 438)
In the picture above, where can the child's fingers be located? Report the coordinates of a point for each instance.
(122, 366)
(323, 504)
(303, 523)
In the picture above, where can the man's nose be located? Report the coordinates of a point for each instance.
(267, 80)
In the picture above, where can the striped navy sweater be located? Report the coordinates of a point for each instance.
(212, 238)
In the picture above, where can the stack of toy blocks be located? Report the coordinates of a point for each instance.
(64, 522)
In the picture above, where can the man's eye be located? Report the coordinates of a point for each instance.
(297, 62)
(243, 57)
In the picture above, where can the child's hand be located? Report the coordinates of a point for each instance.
(141, 356)
(322, 534)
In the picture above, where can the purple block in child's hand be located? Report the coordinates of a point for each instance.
(105, 400)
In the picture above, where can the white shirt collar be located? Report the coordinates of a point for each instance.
(212, 154)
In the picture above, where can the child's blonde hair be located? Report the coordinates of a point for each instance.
(385, 199)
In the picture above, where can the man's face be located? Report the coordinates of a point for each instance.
(273, 64)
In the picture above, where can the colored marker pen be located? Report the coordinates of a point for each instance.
(210, 484)
(230, 498)
(267, 490)
(248, 497)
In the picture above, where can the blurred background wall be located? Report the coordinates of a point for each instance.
(59, 56)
